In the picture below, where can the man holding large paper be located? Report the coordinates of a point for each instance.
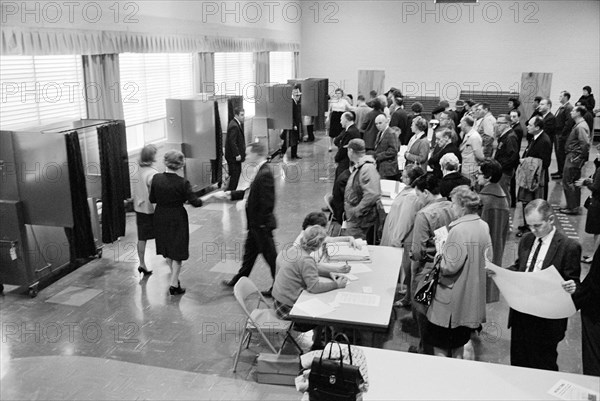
(534, 339)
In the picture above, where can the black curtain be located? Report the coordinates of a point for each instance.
(81, 237)
(114, 190)
(217, 166)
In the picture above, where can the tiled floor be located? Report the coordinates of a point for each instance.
(102, 333)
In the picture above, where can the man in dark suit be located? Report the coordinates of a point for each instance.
(587, 298)
(534, 339)
(564, 125)
(540, 147)
(259, 213)
(400, 119)
(507, 152)
(386, 149)
(515, 125)
(235, 147)
(292, 137)
(350, 132)
(444, 145)
(549, 123)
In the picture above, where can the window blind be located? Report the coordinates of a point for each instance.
(234, 75)
(148, 79)
(281, 66)
(40, 90)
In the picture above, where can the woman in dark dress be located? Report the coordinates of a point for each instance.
(337, 106)
(170, 191)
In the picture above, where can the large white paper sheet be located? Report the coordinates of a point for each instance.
(314, 307)
(566, 390)
(357, 298)
(342, 251)
(537, 293)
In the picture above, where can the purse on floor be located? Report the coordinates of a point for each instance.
(426, 288)
(334, 380)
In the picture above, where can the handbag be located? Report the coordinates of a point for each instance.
(426, 288)
(333, 380)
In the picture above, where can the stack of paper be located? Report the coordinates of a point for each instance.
(342, 251)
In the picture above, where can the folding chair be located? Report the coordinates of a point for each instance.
(260, 320)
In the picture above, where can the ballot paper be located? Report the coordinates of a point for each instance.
(314, 307)
(537, 293)
(389, 188)
(357, 268)
(566, 390)
(357, 298)
(342, 251)
(441, 235)
(401, 157)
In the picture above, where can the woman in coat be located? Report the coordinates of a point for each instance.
(170, 191)
(458, 307)
(398, 226)
(592, 222)
(417, 150)
(495, 210)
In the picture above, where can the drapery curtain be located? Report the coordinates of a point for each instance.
(102, 86)
(296, 65)
(204, 72)
(262, 70)
(48, 41)
(115, 183)
(80, 237)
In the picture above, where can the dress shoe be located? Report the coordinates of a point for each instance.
(572, 212)
(296, 157)
(176, 290)
(268, 293)
(587, 259)
(144, 272)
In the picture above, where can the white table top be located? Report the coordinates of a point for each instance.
(395, 375)
(385, 266)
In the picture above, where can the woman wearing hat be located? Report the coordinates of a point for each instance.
(170, 191)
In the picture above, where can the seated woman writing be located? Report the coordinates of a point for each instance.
(297, 271)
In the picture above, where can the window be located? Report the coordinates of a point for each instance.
(281, 66)
(147, 80)
(234, 75)
(40, 90)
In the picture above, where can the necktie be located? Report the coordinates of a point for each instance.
(535, 255)
(378, 138)
(558, 111)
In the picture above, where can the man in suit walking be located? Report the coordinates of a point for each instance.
(350, 132)
(259, 212)
(549, 128)
(235, 146)
(507, 153)
(540, 147)
(534, 339)
(564, 124)
(292, 137)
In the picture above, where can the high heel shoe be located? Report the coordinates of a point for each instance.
(144, 271)
(176, 290)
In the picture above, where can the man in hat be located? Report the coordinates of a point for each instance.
(362, 192)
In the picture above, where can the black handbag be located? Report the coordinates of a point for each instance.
(332, 380)
(426, 288)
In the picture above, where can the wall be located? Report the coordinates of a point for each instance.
(430, 49)
(241, 19)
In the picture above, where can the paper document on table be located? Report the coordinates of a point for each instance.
(538, 293)
(314, 307)
(401, 158)
(389, 188)
(357, 268)
(566, 390)
(356, 298)
(350, 277)
(342, 251)
(441, 235)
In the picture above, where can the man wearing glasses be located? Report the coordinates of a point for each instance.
(507, 152)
